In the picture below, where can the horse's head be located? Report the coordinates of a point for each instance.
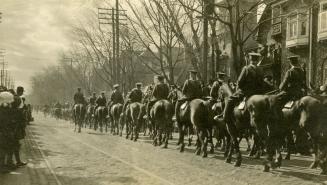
(309, 109)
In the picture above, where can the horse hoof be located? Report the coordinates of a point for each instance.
(197, 152)
(204, 155)
(228, 160)
(257, 156)
(323, 172)
(182, 148)
(212, 151)
(266, 168)
(237, 164)
(314, 165)
(287, 157)
(165, 146)
(248, 149)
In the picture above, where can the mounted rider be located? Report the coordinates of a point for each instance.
(173, 95)
(101, 100)
(294, 83)
(116, 96)
(135, 95)
(93, 99)
(79, 97)
(214, 92)
(192, 89)
(160, 92)
(249, 83)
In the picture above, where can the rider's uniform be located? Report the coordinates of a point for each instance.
(191, 90)
(135, 95)
(116, 97)
(249, 83)
(160, 91)
(101, 101)
(293, 84)
(92, 100)
(79, 98)
(214, 91)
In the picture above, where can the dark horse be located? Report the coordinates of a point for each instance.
(100, 118)
(79, 115)
(115, 113)
(272, 125)
(195, 115)
(133, 119)
(161, 116)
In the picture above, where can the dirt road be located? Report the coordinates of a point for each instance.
(58, 155)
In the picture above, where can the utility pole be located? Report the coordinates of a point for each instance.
(0, 17)
(114, 16)
(3, 64)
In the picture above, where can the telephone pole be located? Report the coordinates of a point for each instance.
(114, 17)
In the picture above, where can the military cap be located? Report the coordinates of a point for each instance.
(138, 84)
(78, 88)
(159, 77)
(220, 74)
(193, 71)
(116, 86)
(254, 54)
(103, 92)
(20, 88)
(293, 57)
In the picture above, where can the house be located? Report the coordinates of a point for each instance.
(298, 27)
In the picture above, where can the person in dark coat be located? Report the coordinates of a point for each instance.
(116, 96)
(173, 95)
(192, 89)
(93, 98)
(79, 97)
(294, 82)
(160, 91)
(214, 91)
(18, 125)
(249, 83)
(101, 100)
(136, 95)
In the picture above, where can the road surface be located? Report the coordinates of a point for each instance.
(56, 155)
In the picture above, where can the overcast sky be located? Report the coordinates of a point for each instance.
(33, 32)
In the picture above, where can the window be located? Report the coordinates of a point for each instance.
(292, 26)
(276, 14)
(323, 17)
(297, 25)
(303, 20)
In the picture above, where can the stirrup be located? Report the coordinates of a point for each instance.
(219, 117)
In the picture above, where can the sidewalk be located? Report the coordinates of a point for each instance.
(36, 172)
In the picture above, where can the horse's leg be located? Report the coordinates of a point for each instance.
(181, 138)
(210, 139)
(270, 153)
(204, 138)
(167, 133)
(248, 143)
(315, 162)
(199, 141)
(289, 143)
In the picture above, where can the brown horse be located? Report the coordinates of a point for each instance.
(195, 115)
(161, 115)
(273, 125)
(237, 129)
(79, 115)
(115, 113)
(132, 120)
(101, 118)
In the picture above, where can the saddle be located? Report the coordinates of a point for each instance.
(184, 105)
(216, 105)
(289, 104)
(242, 105)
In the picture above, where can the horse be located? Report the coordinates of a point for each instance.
(89, 119)
(133, 119)
(101, 118)
(78, 115)
(115, 113)
(161, 115)
(195, 115)
(237, 128)
(274, 124)
(58, 113)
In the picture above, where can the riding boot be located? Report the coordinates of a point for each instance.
(18, 160)
(228, 111)
(177, 110)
